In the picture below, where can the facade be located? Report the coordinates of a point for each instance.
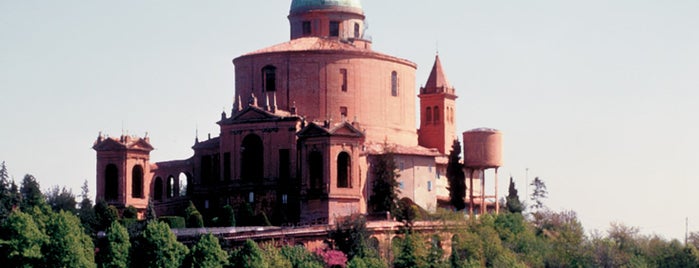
(309, 116)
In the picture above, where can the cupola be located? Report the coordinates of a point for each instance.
(342, 19)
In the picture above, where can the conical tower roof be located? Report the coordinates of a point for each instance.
(437, 81)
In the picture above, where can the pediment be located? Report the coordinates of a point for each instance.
(313, 130)
(346, 129)
(254, 113)
(108, 145)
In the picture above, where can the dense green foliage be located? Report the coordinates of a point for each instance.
(384, 194)
(38, 230)
(158, 247)
(512, 202)
(207, 253)
(456, 177)
(115, 251)
(227, 218)
(174, 222)
(193, 218)
(68, 245)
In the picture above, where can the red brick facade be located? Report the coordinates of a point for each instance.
(308, 115)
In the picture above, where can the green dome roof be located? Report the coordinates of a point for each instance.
(303, 5)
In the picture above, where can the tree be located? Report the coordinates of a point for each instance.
(248, 256)
(115, 253)
(105, 215)
(9, 195)
(300, 257)
(385, 187)
(61, 198)
(21, 241)
(86, 213)
(31, 194)
(227, 218)
(130, 212)
(408, 213)
(150, 211)
(158, 247)
(351, 237)
(412, 253)
(539, 193)
(207, 253)
(456, 177)
(192, 217)
(68, 245)
(513, 204)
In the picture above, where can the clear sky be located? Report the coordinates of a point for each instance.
(598, 97)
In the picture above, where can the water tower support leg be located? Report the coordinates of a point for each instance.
(497, 201)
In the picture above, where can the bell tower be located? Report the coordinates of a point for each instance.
(123, 171)
(437, 115)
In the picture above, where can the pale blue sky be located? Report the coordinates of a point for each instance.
(598, 98)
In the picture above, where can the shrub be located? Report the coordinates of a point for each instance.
(175, 222)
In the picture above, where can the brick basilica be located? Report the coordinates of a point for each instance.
(309, 117)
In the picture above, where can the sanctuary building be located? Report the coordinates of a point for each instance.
(309, 117)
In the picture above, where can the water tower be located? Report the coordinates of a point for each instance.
(482, 151)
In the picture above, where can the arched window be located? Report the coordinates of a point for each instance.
(137, 182)
(269, 78)
(182, 183)
(315, 166)
(158, 189)
(251, 158)
(394, 83)
(436, 115)
(356, 30)
(111, 182)
(344, 173)
(171, 187)
(428, 115)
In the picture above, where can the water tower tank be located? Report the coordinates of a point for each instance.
(483, 148)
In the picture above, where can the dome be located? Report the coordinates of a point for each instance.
(305, 5)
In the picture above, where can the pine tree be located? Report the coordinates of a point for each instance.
(540, 193)
(385, 190)
(456, 177)
(513, 203)
(85, 211)
(9, 195)
(61, 198)
(31, 194)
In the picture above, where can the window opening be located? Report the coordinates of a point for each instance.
(306, 27)
(182, 184)
(269, 79)
(137, 182)
(428, 115)
(343, 74)
(158, 189)
(343, 170)
(315, 166)
(356, 30)
(334, 28)
(436, 115)
(111, 184)
(343, 112)
(394, 83)
(251, 160)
